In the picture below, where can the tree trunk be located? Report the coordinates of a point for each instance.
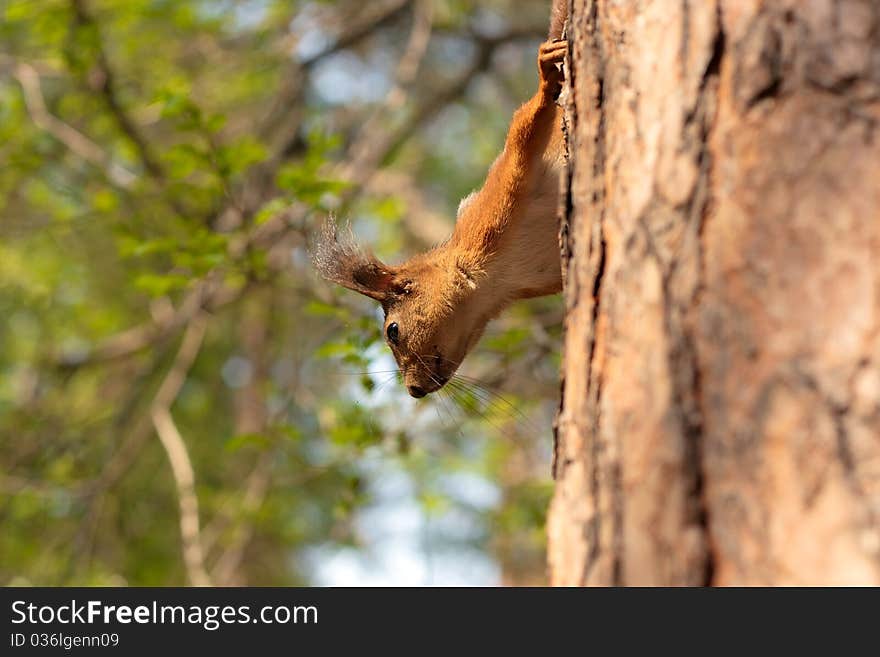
(720, 421)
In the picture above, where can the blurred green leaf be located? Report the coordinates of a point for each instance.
(240, 441)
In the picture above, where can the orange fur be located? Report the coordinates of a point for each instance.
(504, 247)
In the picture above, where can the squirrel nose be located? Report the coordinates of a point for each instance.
(416, 392)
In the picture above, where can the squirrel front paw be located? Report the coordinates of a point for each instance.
(551, 54)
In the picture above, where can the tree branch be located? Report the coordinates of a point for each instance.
(387, 14)
(104, 81)
(184, 479)
(208, 293)
(178, 455)
(256, 489)
(362, 152)
(292, 87)
(74, 140)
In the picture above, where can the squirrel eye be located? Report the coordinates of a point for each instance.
(392, 332)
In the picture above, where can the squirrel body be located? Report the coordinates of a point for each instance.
(504, 246)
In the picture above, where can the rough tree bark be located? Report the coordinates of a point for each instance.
(720, 421)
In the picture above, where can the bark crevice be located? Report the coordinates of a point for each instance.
(695, 437)
(598, 257)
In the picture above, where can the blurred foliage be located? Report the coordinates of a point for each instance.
(163, 163)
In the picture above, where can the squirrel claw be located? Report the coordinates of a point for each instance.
(551, 54)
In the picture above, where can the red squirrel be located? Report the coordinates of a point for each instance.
(504, 246)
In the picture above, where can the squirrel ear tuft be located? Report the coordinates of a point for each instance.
(341, 261)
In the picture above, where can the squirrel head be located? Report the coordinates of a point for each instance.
(433, 311)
